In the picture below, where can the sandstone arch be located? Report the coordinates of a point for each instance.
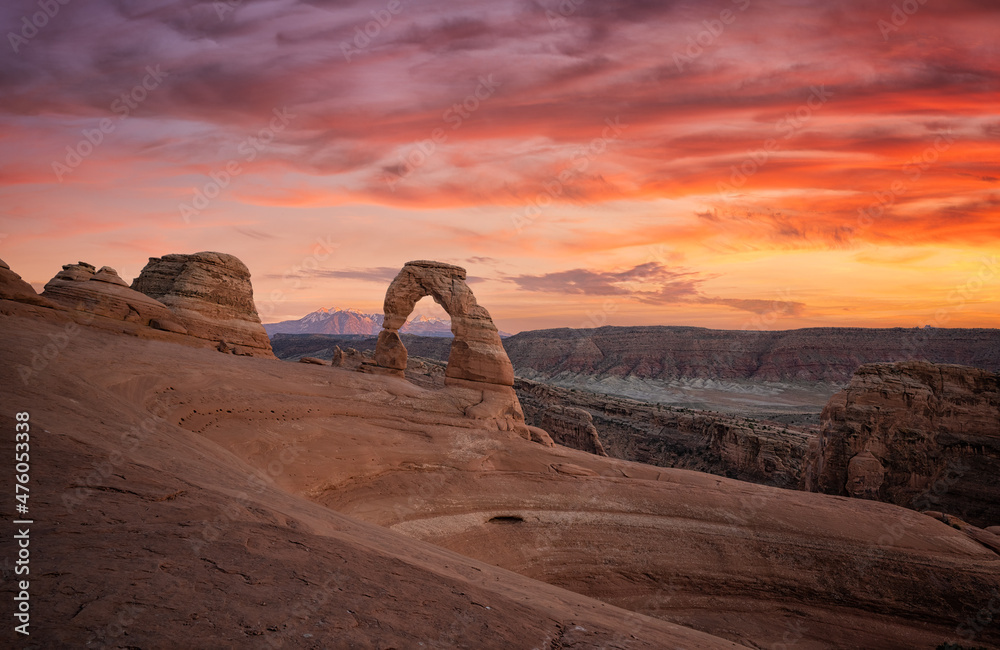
(477, 354)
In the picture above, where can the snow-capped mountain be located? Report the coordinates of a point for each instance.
(351, 321)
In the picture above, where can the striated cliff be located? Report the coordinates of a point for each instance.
(827, 354)
(749, 450)
(917, 434)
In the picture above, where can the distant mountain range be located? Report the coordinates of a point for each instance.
(350, 321)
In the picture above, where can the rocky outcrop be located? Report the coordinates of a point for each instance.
(477, 362)
(12, 287)
(211, 296)
(572, 427)
(916, 434)
(477, 353)
(750, 450)
(83, 288)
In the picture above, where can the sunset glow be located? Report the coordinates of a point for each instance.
(726, 164)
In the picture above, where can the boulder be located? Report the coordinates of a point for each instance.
(210, 295)
(312, 360)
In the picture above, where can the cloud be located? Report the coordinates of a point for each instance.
(758, 306)
(649, 283)
(630, 282)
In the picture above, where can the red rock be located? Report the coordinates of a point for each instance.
(572, 427)
(210, 294)
(477, 353)
(864, 476)
(167, 325)
(12, 287)
(231, 498)
(105, 294)
(935, 429)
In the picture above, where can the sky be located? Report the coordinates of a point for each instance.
(739, 164)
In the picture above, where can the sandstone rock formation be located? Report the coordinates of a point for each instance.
(572, 427)
(190, 495)
(916, 434)
(665, 436)
(767, 452)
(211, 296)
(12, 287)
(477, 362)
(157, 537)
(477, 353)
(81, 287)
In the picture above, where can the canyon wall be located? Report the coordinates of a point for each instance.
(916, 434)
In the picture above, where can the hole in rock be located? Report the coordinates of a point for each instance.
(506, 519)
(428, 319)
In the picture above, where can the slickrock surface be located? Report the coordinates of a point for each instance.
(151, 535)
(201, 489)
(81, 287)
(915, 434)
(211, 295)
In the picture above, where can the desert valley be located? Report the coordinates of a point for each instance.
(190, 489)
